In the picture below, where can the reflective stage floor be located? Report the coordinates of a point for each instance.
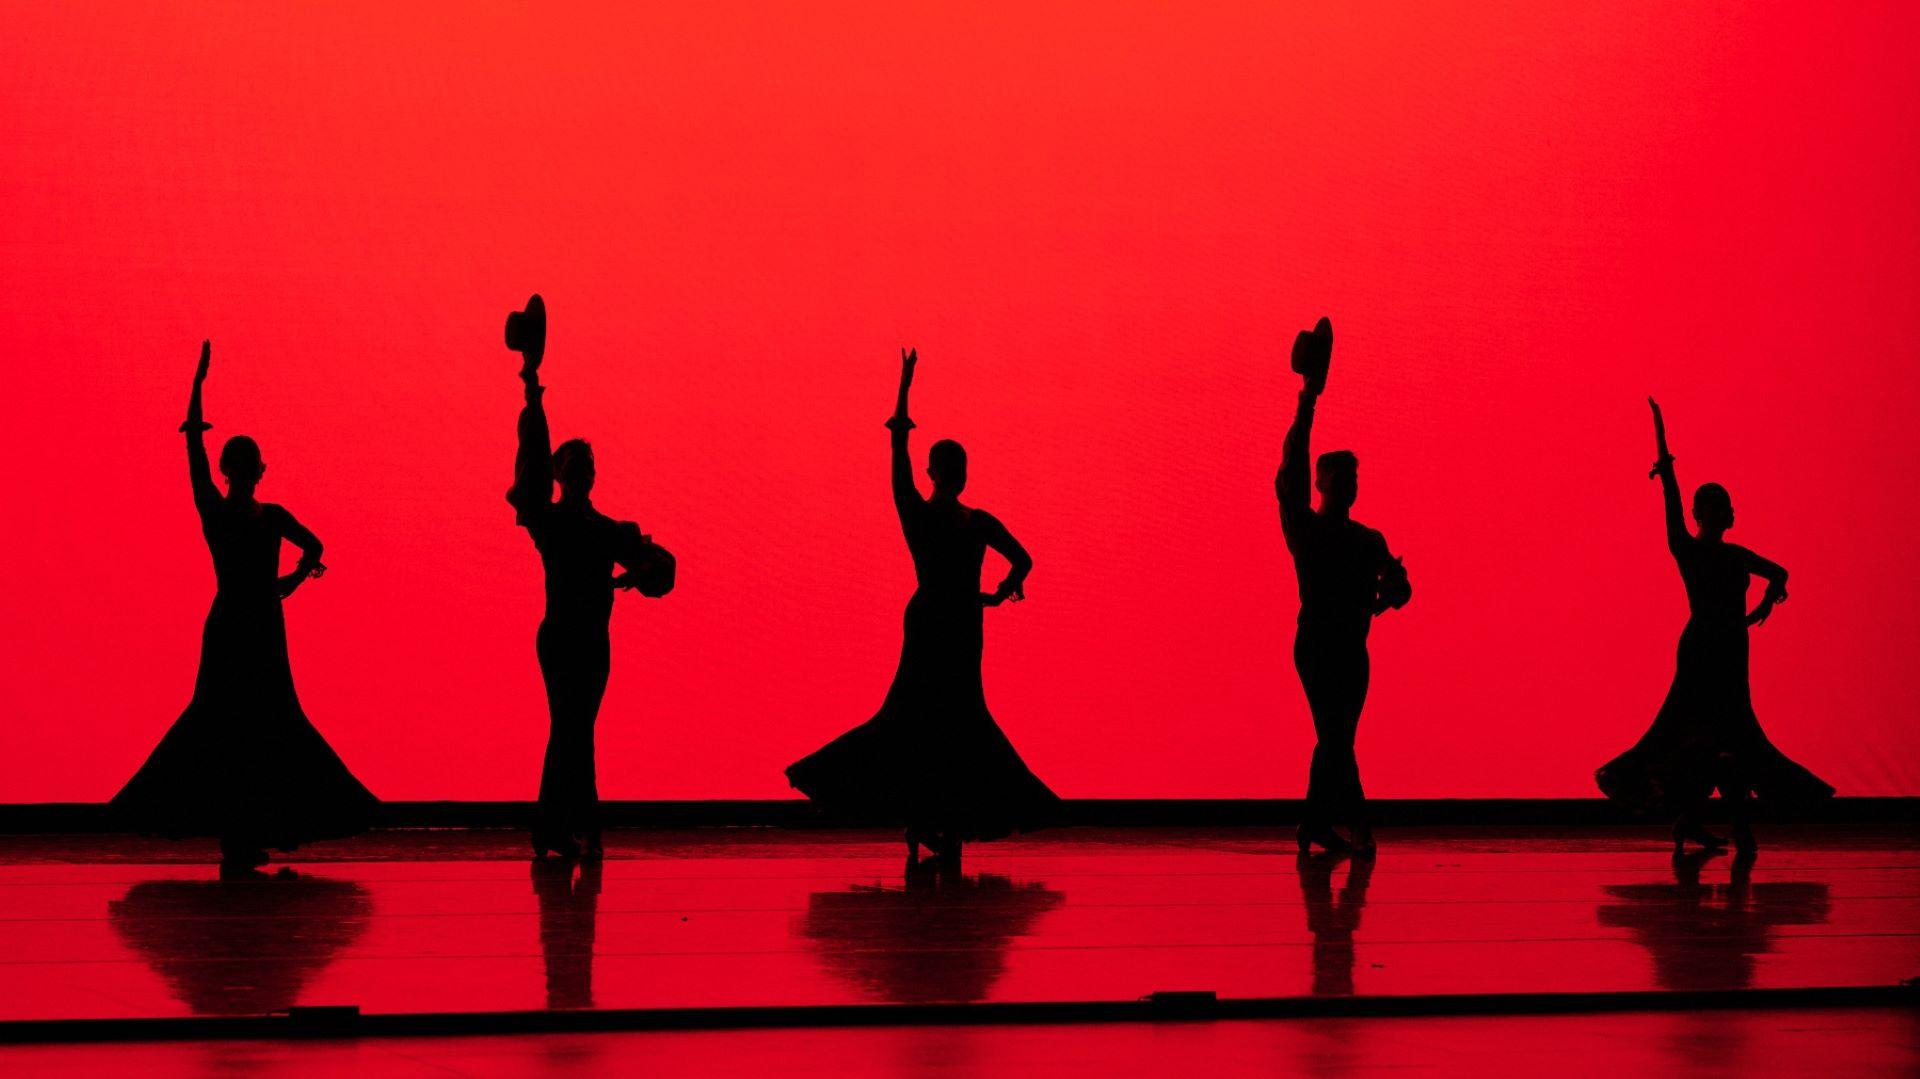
(440, 921)
(1825, 1042)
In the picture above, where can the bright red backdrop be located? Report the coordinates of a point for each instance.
(1101, 227)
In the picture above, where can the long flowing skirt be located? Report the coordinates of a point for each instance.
(932, 757)
(243, 762)
(1706, 736)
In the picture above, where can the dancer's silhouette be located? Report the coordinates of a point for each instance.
(1333, 921)
(933, 758)
(1706, 735)
(569, 905)
(245, 946)
(1346, 576)
(941, 939)
(1706, 936)
(579, 547)
(242, 762)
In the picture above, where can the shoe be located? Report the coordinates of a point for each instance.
(591, 849)
(1326, 837)
(563, 846)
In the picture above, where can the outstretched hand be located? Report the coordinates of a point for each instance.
(909, 357)
(1664, 458)
(195, 421)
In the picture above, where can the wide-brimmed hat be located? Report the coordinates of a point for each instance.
(527, 329)
(1313, 350)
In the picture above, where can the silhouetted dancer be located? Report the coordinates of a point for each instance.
(933, 758)
(569, 905)
(1332, 922)
(242, 762)
(1706, 735)
(1347, 576)
(579, 547)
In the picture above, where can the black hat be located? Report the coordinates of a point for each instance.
(1313, 350)
(527, 330)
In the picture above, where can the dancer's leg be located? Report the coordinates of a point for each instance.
(1355, 674)
(1327, 687)
(558, 662)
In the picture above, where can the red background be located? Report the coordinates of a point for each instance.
(1101, 228)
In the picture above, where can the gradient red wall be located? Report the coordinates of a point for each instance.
(1101, 228)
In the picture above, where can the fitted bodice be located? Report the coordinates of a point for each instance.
(1716, 577)
(244, 540)
(948, 543)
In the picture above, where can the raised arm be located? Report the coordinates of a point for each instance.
(532, 490)
(1669, 486)
(1776, 577)
(905, 494)
(1293, 485)
(199, 471)
(1019, 563)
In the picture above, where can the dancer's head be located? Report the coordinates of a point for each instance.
(1337, 476)
(947, 467)
(573, 468)
(1712, 508)
(240, 463)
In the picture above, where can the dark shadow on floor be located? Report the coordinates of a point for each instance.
(1708, 936)
(240, 947)
(940, 938)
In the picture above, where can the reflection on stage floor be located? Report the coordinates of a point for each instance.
(459, 921)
